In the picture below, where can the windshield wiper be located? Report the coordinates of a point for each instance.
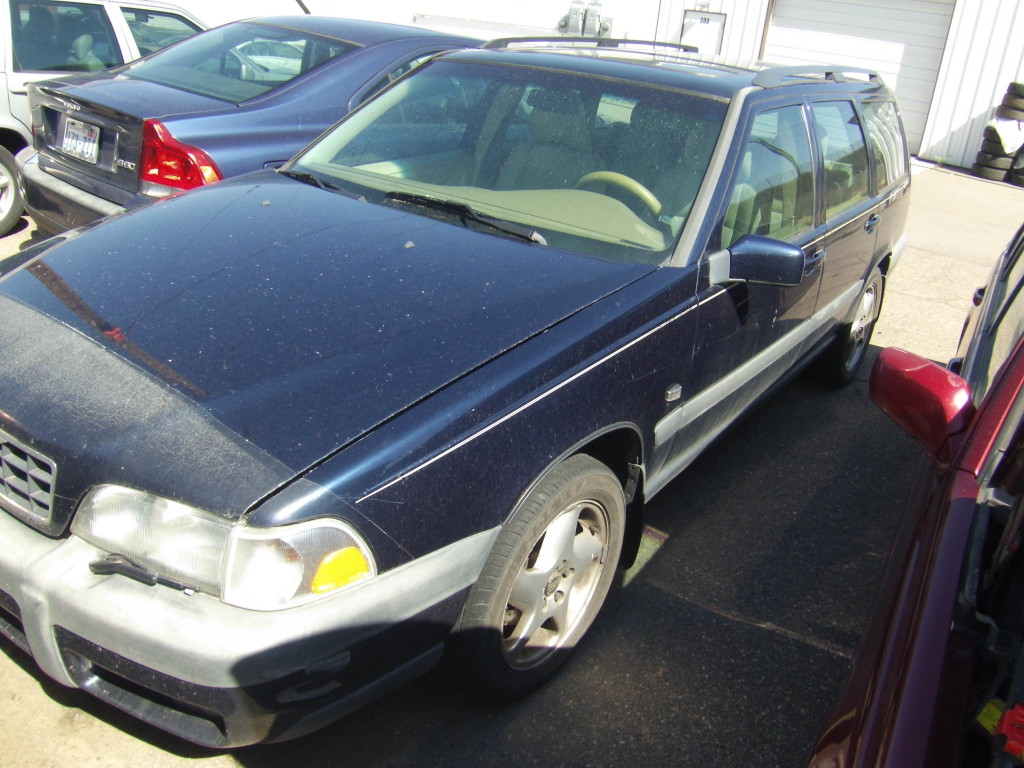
(469, 214)
(308, 178)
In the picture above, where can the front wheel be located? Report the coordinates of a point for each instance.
(839, 363)
(11, 206)
(544, 582)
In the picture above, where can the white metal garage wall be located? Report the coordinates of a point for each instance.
(902, 39)
(984, 55)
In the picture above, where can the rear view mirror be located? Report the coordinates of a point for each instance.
(758, 259)
(927, 401)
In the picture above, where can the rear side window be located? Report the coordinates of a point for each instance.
(62, 37)
(239, 62)
(154, 30)
(394, 74)
(844, 153)
(773, 192)
(885, 136)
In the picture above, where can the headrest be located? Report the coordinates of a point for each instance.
(559, 102)
(558, 117)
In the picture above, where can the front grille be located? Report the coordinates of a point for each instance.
(26, 480)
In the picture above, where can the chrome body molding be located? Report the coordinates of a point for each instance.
(742, 386)
(540, 396)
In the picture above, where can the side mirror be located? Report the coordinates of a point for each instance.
(927, 401)
(758, 259)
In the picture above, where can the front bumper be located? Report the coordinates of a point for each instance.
(215, 674)
(53, 204)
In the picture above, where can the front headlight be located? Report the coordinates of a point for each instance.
(267, 568)
(258, 568)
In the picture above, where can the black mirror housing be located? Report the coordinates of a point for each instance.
(759, 259)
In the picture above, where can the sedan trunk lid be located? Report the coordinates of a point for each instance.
(91, 127)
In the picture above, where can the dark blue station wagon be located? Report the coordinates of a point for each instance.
(274, 446)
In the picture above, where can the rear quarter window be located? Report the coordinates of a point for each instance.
(885, 136)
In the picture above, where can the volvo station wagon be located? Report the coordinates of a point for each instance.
(272, 447)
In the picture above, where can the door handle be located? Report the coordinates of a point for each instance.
(872, 222)
(813, 262)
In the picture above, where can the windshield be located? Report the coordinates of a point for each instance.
(594, 165)
(238, 62)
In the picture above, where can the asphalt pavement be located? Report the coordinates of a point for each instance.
(732, 637)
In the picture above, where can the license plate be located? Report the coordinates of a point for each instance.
(81, 140)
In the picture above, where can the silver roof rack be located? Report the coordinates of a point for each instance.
(637, 46)
(773, 77)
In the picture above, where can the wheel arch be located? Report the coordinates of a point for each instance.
(620, 448)
(884, 263)
(12, 140)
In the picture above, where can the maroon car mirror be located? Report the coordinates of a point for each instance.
(927, 401)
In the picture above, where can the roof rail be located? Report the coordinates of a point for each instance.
(595, 42)
(773, 77)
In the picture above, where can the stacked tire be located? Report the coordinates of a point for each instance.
(993, 161)
(1012, 107)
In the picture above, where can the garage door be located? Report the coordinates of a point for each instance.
(902, 39)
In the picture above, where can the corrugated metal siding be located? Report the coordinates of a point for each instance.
(903, 40)
(744, 24)
(747, 20)
(985, 53)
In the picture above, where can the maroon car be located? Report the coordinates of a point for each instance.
(939, 677)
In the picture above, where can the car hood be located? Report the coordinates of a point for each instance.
(298, 319)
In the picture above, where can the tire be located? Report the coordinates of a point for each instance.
(11, 205)
(544, 582)
(998, 162)
(1015, 89)
(984, 172)
(994, 147)
(1010, 113)
(1013, 101)
(839, 363)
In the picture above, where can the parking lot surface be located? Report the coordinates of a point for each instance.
(733, 634)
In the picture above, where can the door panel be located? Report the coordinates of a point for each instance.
(749, 335)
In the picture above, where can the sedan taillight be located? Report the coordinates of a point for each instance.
(169, 164)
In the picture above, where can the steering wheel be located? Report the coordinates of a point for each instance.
(625, 182)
